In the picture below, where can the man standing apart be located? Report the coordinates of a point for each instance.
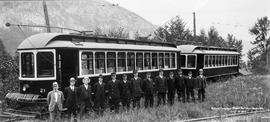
(201, 80)
(136, 85)
(70, 94)
(125, 91)
(149, 90)
(84, 96)
(99, 92)
(161, 87)
(180, 85)
(55, 99)
(114, 93)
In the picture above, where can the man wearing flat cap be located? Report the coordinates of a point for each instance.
(137, 92)
(201, 80)
(114, 93)
(190, 81)
(161, 87)
(180, 85)
(99, 93)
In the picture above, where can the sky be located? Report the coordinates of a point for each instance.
(227, 16)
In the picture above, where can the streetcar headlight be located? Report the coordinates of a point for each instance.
(25, 86)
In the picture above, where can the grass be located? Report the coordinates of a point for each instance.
(243, 91)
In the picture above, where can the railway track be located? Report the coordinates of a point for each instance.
(257, 116)
(9, 118)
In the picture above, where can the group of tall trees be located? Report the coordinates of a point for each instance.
(176, 32)
(259, 55)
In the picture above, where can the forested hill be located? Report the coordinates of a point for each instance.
(76, 14)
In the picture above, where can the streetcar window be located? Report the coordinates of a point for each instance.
(210, 61)
(161, 60)
(173, 60)
(99, 62)
(222, 60)
(183, 61)
(213, 60)
(121, 61)
(111, 62)
(219, 60)
(191, 61)
(226, 60)
(27, 64)
(147, 63)
(45, 64)
(206, 61)
(154, 61)
(167, 60)
(87, 63)
(139, 61)
(131, 61)
(229, 60)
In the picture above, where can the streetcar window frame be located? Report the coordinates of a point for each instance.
(187, 60)
(41, 64)
(152, 57)
(23, 66)
(35, 77)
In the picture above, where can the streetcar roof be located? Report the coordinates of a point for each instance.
(206, 49)
(59, 40)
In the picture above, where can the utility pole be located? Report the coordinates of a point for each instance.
(47, 20)
(194, 24)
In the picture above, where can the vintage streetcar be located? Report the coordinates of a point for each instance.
(48, 57)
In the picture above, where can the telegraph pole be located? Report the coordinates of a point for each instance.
(194, 24)
(46, 16)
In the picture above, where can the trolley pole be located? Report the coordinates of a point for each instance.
(46, 16)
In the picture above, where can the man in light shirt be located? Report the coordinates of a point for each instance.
(55, 99)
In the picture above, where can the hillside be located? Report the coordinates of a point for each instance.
(76, 14)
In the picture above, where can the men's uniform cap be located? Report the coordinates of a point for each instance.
(161, 70)
(201, 70)
(113, 73)
(135, 71)
(100, 75)
(72, 79)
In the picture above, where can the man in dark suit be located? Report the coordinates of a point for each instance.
(171, 88)
(136, 84)
(201, 80)
(180, 86)
(114, 93)
(190, 81)
(125, 92)
(99, 93)
(149, 90)
(84, 97)
(161, 87)
(70, 94)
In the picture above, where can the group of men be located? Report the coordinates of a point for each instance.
(126, 91)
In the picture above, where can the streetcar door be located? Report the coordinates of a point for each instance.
(68, 66)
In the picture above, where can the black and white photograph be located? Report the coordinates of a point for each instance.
(134, 60)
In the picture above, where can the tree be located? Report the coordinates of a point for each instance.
(232, 42)
(174, 31)
(214, 39)
(262, 40)
(118, 33)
